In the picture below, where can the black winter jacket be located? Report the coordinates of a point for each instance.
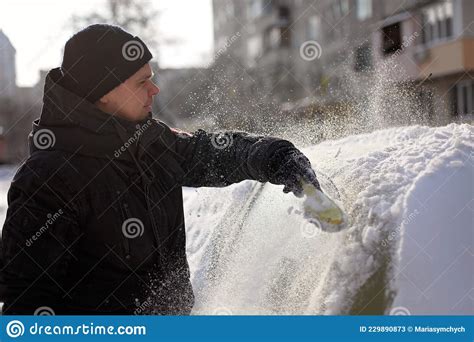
(95, 221)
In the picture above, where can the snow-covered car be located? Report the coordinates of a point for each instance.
(408, 248)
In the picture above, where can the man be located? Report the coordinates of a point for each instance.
(95, 221)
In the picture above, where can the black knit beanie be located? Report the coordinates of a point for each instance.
(99, 58)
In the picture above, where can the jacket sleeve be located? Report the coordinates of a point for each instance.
(37, 242)
(220, 159)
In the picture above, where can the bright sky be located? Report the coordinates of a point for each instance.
(38, 30)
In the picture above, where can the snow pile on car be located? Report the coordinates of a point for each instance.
(408, 192)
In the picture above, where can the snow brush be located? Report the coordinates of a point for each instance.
(321, 208)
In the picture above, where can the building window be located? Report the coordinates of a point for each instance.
(267, 7)
(277, 36)
(363, 58)
(254, 48)
(255, 8)
(284, 14)
(229, 8)
(364, 9)
(340, 8)
(438, 22)
(314, 27)
(391, 39)
(464, 98)
(271, 38)
(427, 106)
(258, 8)
(344, 7)
(329, 21)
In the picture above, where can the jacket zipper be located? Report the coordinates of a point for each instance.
(153, 222)
(146, 182)
(127, 243)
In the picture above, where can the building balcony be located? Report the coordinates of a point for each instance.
(450, 57)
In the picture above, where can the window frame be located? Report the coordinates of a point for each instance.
(460, 103)
(364, 9)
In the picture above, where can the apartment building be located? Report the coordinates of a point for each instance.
(423, 48)
(7, 67)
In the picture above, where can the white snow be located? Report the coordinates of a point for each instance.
(6, 175)
(435, 270)
(408, 193)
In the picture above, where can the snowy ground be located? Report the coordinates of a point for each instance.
(408, 250)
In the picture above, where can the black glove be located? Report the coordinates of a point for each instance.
(290, 167)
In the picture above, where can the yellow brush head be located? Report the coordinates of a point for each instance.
(321, 207)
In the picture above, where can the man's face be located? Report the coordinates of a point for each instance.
(133, 98)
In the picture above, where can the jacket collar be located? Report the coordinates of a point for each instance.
(76, 125)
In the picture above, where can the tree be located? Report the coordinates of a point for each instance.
(137, 16)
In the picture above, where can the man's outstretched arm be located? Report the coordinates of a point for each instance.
(220, 159)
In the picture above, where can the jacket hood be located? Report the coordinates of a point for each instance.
(73, 124)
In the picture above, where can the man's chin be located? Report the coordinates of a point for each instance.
(142, 116)
(136, 117)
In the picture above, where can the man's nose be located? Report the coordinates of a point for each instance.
(154, 90)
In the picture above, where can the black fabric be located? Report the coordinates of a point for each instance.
(292, 168)
(99, 58)
(63, 240)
